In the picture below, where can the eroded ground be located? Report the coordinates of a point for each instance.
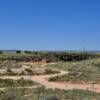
(42, 72)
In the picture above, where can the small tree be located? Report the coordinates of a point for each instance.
(1, 52)
(18, 51)
(28, 52)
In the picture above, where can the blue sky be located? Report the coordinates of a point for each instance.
(50, 24)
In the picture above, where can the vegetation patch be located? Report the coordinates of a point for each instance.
(11, 83)
(48, 94)
(50, 71)
(76, 77)
(87, 71)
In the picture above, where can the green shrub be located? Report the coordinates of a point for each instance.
(1, 52)
(13, 83)
(18, 51)
(29, 71)
(12, 94)
(10, 72)
(50, 71)
(52, 97)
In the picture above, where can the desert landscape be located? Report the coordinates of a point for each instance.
(49, 75)
(49, 49)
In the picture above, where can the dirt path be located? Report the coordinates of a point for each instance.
(43, 80)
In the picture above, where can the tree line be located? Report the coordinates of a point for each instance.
(36, 56)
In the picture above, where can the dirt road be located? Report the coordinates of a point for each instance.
(43, 80)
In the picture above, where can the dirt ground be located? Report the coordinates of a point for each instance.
(43, 80)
